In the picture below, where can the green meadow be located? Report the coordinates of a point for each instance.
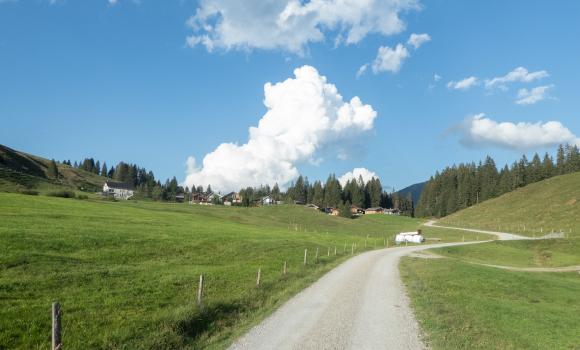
(460, 305)
(126, 273)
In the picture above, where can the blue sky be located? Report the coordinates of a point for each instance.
(119, 82)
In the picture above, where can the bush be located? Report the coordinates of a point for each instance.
(82, 196)
(30, 192)
(62, 194)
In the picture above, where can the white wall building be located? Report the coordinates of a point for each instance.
(117, 190)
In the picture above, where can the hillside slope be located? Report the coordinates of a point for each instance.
(20, 171)
(533, 210)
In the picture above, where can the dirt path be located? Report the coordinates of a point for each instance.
(504, 236)
(362, 304)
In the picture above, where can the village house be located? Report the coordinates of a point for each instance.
(268, 200)
(232, 198)
(392, 211)
(354, 210)
(180, 197)
(374, 210)
(117, 190)
(198, 198)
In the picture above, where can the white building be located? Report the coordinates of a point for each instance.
(268, 200)
(117, 190)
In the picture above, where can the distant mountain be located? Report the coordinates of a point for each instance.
(415, 191)
(21, 171)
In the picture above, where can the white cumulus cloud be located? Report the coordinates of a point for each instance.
(480, 130)
(291, 25)
(519, 74)
(366, 174)
(464, 84)
(537, 94)
(389, 59)
(305, 116)
(416, 40)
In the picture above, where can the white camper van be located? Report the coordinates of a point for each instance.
(411, 237)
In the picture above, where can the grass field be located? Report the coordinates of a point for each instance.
(532, 253)
(534, 210)
(126, 272)
(460, 305)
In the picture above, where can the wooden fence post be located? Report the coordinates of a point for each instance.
(200, 291)
(56, 338)
(259, 275)
(285, 267)
(334, 250)
(316, 257)
(344, 251)
(328, 252)
(352, 249)
(305, 255)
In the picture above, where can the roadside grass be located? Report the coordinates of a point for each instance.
(533, 210)
(532, 253)
(464, 306)
(126, 273)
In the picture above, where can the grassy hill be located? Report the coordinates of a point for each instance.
(20, 171)
(533, 210)
(126, 273)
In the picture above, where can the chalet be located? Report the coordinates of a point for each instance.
(392, 212)
(267, 200)
(232, 198)
(199, 198)
(354, 210)
(180, 197)
(331, 211)
(117, 190)
(374, 210)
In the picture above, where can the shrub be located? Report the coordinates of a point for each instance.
(62, 194)
(82, 196)
(30, 192)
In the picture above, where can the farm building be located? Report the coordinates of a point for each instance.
(199, 198)
(232, 198)
(354, 210)
(117, 190)
(374, 210)
(267, 200)
(180, 197)
(411, 237)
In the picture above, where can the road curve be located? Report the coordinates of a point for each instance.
(361, 304)
(503, 236)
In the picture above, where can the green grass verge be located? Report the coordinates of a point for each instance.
(465, 306)
(126, 272)
(532, 253)
(534, 210)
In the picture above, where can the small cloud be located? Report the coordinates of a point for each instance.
(481, 131)
(389, 59)
(519, 74)
(532, 96)
(362, 70)
(356, 173)
(436, 77)
(464, 84)
(416, 40)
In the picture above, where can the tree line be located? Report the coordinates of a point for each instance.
(331, 194)
(466, 184)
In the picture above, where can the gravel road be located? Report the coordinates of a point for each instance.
(361, 304)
